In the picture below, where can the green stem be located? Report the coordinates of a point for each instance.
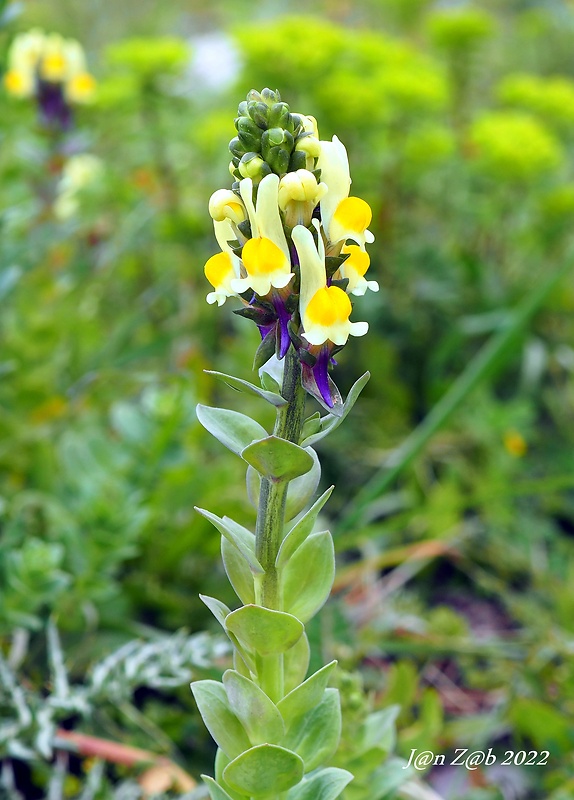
(491, 356)
(271, 514)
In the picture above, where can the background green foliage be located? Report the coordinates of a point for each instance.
(455, 592)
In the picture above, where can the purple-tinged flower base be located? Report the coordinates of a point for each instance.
(317, 382)
(55, 112)
(283, 320)
(266, 329)
(321, 376)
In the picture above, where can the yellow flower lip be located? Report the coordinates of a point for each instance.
(19, 83)
(329, 306)
(359, 260)
(81, 88)
(261, 256)
(266, 267)
(219, 271)
(53, 67)
(354, 269)
(351, 219)
(353, 214)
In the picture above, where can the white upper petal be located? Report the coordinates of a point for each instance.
(334, 165)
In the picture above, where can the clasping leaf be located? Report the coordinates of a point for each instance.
(263, 630)
(277, 459)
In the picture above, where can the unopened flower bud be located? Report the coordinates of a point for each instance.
(225, 204)
(297, 161)
(276, 136)
(309, 144)
(299, 193)
(278, 159)
(258, 112)
(249, 134)
(251, 166)
(310, 125)
(270, 97)
(237, 148)
(234, 169)
(279, 117)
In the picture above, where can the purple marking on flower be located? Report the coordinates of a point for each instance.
(321, 376)
(283, 317)
(294, 255)
(54, 110)
(264, 330)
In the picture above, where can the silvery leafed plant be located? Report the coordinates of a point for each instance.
(293, 251)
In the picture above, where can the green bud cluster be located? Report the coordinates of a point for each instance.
(267, 136)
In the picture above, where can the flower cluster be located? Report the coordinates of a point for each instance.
(293, 240)
(53, 71)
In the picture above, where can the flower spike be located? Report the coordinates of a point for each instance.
(52, 70)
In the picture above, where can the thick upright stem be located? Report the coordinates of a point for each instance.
(271, 512)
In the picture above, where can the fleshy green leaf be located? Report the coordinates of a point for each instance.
(239, 664)
(264, 770)
(296, 663)
(311, 425)
(315, 735)
(221, 761)
(269, 383)
(263, 630)
(236, 535)
(307, 695)
(219, 610)
(301, 530)
(219, 720)
(277, 459)
(325, 785)
(238, 571)
(257, 713)
(215, 791)
(378, 730)
(249, 388)
(330, 422)
(308, 577)
(302, 489)
(236, 431)
(385, 781)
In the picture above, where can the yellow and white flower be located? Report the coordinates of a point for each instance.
(23, 57)
(324, 310)
(343, 217)
(298, 195)
(224, 204)
(266, 259)
(223, 268)
(354, 269)
(50, 58)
